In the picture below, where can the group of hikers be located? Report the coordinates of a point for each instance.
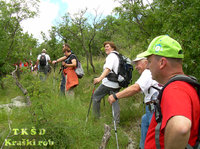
(69, 62)
(172, 104)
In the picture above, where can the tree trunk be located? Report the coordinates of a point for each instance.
(87, 59)
(106, 136)
(90, 54)
(25, 92)
(91, 62)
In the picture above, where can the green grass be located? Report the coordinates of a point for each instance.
(10, 91)
(63, 118)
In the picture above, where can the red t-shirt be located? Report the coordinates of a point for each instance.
(179, 98)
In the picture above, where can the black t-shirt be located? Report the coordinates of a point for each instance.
(70, 58)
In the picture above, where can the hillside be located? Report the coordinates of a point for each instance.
(54, 121)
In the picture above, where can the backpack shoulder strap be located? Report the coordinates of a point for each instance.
(119, 57)
(118, 54)
(77, 61)
(189, 79)
(158, 115)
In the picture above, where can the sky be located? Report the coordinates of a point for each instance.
(51, 12)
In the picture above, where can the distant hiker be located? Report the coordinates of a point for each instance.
(63, 81)
(69, 64)
(31, 65)
(179, 104)
(111, 64)
(21, 64)
(144, 84)
(26, 64)
(43, 61)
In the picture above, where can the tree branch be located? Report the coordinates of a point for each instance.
(106, 136)
(24, 91)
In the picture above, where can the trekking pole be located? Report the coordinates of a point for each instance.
(115, 127)
(54, 75)
(90, 104)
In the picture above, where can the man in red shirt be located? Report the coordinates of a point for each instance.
(180, 105)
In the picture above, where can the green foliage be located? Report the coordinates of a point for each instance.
(149, 21)
(63, 118)
(14, 45)
(132, 29)
(10, 90)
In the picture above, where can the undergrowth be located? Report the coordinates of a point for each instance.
(56, 121)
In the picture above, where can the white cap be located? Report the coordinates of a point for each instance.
(138, 58)
(44, 51)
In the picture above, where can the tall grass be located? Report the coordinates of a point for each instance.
(63, 118)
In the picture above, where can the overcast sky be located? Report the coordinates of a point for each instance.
(51, 12)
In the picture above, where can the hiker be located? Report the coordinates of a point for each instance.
(63, 81)
(69, 77)
(179, 104)
(144, 84)
(21, 64)
(106, 87)
(43, 61)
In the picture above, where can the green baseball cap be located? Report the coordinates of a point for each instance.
(164, 46)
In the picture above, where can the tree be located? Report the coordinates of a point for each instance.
(12, 14)
(81, 30)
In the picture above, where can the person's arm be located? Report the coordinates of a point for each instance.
(130, 91)
(59, 60)
(177, 132)
(48, 58)
(70, 65)
(103, 75)
(37, 62)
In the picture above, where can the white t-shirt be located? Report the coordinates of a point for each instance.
(46, 55)
(145, 82)
(112, 63)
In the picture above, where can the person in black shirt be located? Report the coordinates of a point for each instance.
(69, 77)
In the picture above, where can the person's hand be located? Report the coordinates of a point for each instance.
(53, 62)
(111, 99)
(63, 63)
(96, 80)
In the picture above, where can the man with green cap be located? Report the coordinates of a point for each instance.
(179, 103)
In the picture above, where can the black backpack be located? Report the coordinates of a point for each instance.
(158, 115)
(125, 69)
(43, 61)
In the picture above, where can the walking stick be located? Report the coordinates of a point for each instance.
(54, 76)
(90, 104)
(115, 127)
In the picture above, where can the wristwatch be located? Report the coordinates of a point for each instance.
(114, 95)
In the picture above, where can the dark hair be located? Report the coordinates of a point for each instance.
(112, 44)
(67, 45)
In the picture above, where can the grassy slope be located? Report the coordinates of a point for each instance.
(64, 118)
